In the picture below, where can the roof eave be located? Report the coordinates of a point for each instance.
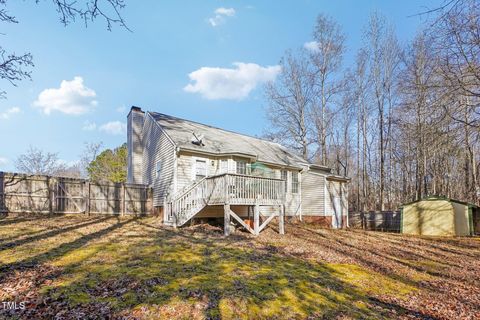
(333, 177)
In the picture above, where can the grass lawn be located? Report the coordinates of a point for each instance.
(132, 268)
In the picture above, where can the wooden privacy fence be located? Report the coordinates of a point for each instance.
(375, 220)
(44, 194)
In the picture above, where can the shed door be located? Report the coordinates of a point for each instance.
(337, 213)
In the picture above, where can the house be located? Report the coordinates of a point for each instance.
(439, 216)
(200, 171)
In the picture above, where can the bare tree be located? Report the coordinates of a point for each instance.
(419, 101)
(289, 99)
(90, 152)
(36, 161)
(16, 67)
(457, 43)
(360, 90)
(384, 53)
(326, 58)
(411, 113)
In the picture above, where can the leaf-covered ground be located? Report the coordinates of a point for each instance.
(75, 267)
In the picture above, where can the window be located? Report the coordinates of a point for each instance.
(200, 169)
(158, 169)
(241, 167)
(294, 182)
(223, 166)
(283, 176)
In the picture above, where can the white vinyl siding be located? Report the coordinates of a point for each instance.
(313, 194)
(158, 170)
(186, 173)
(336, 189)
(158, 149)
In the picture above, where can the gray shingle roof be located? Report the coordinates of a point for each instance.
(220, 141)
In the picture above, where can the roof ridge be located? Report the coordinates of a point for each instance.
(213, 127)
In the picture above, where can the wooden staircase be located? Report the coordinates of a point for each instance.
(231, 189)
(186, 205)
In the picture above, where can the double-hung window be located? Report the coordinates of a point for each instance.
(241, 167)
(284, 176)
(295, 183)
(200, 169)
(224, 166)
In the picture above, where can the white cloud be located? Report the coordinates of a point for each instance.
(89, 126)
(230, 12)
(114, 128)
(9, 112)
(234, 84)
(71, 98)
(121, 109)
(220, 16)
(311, 46)
(3, 161)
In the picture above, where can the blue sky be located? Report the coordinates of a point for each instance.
(85, 79)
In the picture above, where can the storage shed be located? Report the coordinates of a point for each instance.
(439, 216)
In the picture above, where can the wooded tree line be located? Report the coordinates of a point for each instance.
(402, 122)
(109, 165)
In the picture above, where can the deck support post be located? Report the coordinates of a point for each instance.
(281, 218)
(226, 223)
(256, 219)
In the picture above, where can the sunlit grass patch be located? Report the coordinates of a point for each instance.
(134, 268)
(369, 282)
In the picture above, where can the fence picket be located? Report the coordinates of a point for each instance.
(44, 194)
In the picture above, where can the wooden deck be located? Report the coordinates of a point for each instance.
(227, 189)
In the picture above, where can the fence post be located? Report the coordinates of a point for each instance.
(3, 202)
(51, 194)
(87, 198)
(149, 208)
(165, 212)
(122, 200)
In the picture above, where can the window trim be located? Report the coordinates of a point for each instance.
(194, 171)
(223, 170)
(236, 166)
(295, 183)
(282, 172)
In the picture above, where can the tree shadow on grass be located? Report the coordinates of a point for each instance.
(44, 235)
(441, 247)
(433, 266)
(64, 248)
(174, 274)
(18, 219)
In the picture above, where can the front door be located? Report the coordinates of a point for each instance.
(337, 213)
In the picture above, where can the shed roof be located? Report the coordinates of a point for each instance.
(220, 142)
(434, 198)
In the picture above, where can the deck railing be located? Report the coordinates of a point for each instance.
(227, 188)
